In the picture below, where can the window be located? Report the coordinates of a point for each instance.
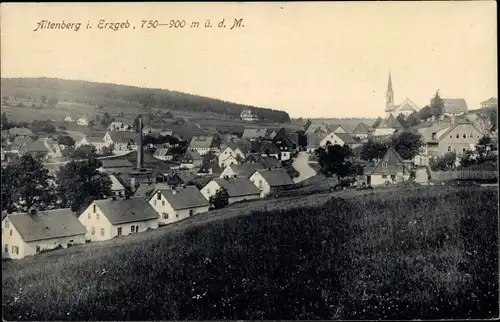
(119, 231)
(158, 196)
(15, 250)
(88, 217)
(393, 177)
(163, 202)
(471, 136)
(384, 176)
(6, 224)
(132, 229)
(384, 164)
(10, 232)
(191, 212)
(165, 215)
(6, 248)
(208, 191)
(260, 183)
(451, 137)
(97, 216)
(449, 149)
(94, 207)
(176, 215)
(102, 231)
(37, 249)
(464, 136)
(93, 231)
(458, 135)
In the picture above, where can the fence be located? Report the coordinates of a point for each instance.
(464, 175)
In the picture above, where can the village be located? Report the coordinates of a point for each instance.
(160, 175)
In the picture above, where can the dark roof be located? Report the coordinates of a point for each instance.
(455, 105)
(37, 146)
(492, 100)
(123, 137)
(202, 142)
(394, 163)
(246, 170)
(361, 128)
(47, 224)
(126, 210)
(390, 123)
(254, 133)
(237, 187)
(184, 198)
(266, 161)
(116, 163)
(145, 189)
(276, 177)
(346, 137)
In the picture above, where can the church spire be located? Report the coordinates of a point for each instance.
(389, 85)
(389, 96)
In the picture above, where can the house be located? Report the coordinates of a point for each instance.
(252, 134)
(121, 141)
(117, 189)
(340, 139)
(26, 234)
(454, 106)
(240, 170)
(83, 121)
(108, 218)
(165, 132)
(266, 161)
(238, 189)
(247, 115)
(286, 143)
(45, 148)
(391, 168)
(270, 181)
(191, 159)
(314, 140)
(232, 154)
(490, 103)
(203, 144)
(20, 131)
(95, 141)
(388, 126)
(146, 189)
(116, 166)
(120, 126)
(324, 128)
(68, 119)
(361, 131)
(148, 130)
(177, 204)
(164, 154)
(457, 136)
(180, 179)
(209, 167)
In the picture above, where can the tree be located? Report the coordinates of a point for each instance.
(5, 121)
(444, 163)
(91, 123)
(407, 144)
(106, 120)
(52, 101)
(65, 140)
(424, 113)
(220, 199)
(377, 122)
(84, 152)
(412, 120)
(401, 119)
(302, 139)
(373, 150)
(97, 118)
(80, 183)
(26, 185)
(334, 159)
(46, 126)
(437, 105)
(146, 99)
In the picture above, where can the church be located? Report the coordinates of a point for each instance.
(406, 108)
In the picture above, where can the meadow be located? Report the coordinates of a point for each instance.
(419, 253)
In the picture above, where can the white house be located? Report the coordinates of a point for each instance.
(68, 119)
(340, 139)
(177, 204)
(238, 189)
(232, 154)
(121, 141)
(271, 181)
(117, 188)
(95, 141)
(390, 169)
(388, 126)
(240, 170)
(203, 144)
(247, 115)
(120, 126)
(163, 154)
(108, 218)
(82, 121)
(26, 234)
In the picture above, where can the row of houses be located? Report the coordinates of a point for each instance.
(26, 234)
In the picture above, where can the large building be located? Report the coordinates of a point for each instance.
(406, 108)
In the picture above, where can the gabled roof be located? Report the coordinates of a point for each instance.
(245, 170)
(492, 100)
(47, 224)
(37, 146)
(268, 147)
(313, 140)
(202, 142)
(193, 155)
(126, 210)
(115, 183)
(116, 163)
(266, 161)
(184, 198)
(406, 105)
(95, 139)
(254, 133)
(346, 137)
(361, 128)
(390, 123)
(455, 105)
(123, 137)
(146, 189)
(318, 127)
(393, 162)
(20, 131)
(237, 187)
(276, 177)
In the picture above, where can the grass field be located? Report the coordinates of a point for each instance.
(419, 253)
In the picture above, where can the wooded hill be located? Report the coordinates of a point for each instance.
(113, 95)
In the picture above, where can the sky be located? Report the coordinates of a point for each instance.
(315, 59)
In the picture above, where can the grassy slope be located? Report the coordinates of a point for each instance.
(428, 253)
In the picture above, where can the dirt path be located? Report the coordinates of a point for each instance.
(301, 164)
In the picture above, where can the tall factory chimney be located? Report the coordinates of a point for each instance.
(139, 145)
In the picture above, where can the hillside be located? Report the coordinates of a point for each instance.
(126, 98)
(416, 254)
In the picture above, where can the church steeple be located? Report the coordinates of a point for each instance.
(389, 96)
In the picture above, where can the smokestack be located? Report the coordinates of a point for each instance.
(139, 145)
